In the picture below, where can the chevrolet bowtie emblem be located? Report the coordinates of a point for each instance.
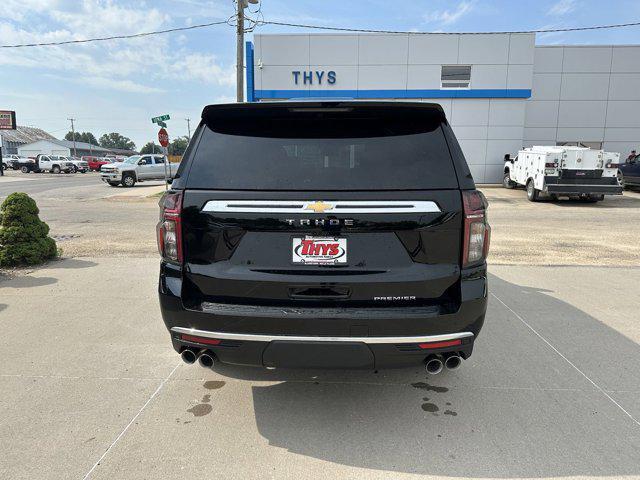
(319, 207)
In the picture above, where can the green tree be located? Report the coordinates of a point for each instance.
(178, 146)
(150, 147)
(24, 237)
(86, 137)
(115, 140)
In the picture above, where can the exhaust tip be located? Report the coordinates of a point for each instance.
(188, 356)
(434, 365)
(453, 362)
(206, 360)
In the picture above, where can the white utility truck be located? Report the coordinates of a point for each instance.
(563, 171)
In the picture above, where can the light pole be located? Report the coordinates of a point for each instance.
(188, 127)
(242, 4)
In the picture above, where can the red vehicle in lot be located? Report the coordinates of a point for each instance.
(95, 162)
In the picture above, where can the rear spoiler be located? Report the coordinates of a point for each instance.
(211, 113)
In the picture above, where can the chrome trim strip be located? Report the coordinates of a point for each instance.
(307, 207)
(249, 337)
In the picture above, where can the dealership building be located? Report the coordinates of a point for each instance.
(500, 92)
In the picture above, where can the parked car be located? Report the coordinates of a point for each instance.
(95, 162)
(11, 161)
(138, 168)
(78, 164)
(54, 164)
(338, 234)
(629, 173)
(563, 171)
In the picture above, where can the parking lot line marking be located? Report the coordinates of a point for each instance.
(567, 360)
(153, 395)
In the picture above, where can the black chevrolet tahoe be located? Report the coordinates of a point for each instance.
(330, 234)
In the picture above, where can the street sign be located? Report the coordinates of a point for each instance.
(7, 120)
(161, 118)
(162, 124)
(163, 137)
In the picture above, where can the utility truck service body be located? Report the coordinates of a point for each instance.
(563, 171)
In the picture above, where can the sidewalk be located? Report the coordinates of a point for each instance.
(139, 191)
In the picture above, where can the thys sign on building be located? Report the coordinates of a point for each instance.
(314, 77)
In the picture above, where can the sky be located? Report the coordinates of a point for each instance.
(119, 85)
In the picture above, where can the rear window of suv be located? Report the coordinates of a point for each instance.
(323, 152)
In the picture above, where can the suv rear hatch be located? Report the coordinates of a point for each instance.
(309, 205)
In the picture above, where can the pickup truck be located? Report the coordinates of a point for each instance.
(95, 163)
(137, 168)
(11, 161)
(78, 165)
(54, 164)
(629, 173)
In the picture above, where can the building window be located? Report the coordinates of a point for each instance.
(455, 76)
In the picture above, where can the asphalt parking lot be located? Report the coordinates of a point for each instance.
(92, 388)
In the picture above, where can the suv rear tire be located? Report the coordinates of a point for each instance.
(532, 192)
(507, 182)
(128, 180)
(55, 169)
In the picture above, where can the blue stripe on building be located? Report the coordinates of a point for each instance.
(418, 93)
(250, 81)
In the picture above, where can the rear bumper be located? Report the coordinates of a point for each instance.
(323, 338)
(585, 189)
(582, 186)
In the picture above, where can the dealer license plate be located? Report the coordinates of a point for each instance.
(319, 250)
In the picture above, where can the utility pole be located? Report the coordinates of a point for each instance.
(73, 132)
(188, 127)
(242, 4)
(240, 51)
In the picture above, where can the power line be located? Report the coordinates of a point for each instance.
(119, 37)
(259, 23)
(369, 30)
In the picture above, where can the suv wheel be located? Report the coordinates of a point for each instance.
(532, 191)
(506, 181)
(128, 180)
(24, 170)
(73, 169)
(55, 169)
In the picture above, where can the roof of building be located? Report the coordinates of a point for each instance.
(82, 146)
(26, 135)
(121, 151)
(86, 147)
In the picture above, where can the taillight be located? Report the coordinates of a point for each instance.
(551, 165)
(169, 228)
(613, 165)
(477, 231)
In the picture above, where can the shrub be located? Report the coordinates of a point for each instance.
(23, 236)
